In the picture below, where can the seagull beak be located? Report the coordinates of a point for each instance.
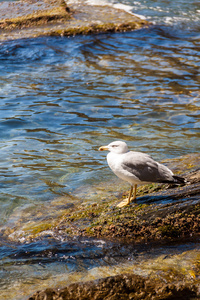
(102, 148)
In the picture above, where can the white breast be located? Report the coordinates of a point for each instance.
(115, 163)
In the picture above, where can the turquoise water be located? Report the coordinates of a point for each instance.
(62, 98)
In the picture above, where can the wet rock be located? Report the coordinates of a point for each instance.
(120, 287)
(168, 214)
(22, 14)
(161, 214)
(25, 19)
(164, 217)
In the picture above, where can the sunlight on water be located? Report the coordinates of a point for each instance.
(179, 13)
(62, 98)
(58, 108)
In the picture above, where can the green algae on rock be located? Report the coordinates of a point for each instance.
(26, 19)
(137, 224)
(96, 28)
(161, 215)
(166, 216)
(147, 221)
(33, 14)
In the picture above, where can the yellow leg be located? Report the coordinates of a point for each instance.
(135, 191)
(129, 199)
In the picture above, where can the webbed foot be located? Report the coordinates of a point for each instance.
(123, 203)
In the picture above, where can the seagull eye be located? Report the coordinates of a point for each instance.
(114, 146)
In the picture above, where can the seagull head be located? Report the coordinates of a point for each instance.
(118, 147)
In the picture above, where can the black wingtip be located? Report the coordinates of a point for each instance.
(179, 180)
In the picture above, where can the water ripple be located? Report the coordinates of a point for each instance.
(61, 98)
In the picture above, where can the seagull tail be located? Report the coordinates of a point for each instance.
(179, 180)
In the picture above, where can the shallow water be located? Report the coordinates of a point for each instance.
(62, 98)
(50, 262)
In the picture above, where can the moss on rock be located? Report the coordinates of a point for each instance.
(140, 222)
(59, 13)
(23, 19)
(121, 287)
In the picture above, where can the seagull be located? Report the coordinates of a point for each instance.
(137, 168)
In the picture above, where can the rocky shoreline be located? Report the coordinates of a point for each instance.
(146, 221)
(166, 215)
(121, 287)
(163, 215)
(28, 19)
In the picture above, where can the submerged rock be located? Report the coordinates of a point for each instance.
(121, 287)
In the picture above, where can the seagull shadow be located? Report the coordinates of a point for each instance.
(154, 199)
(177, 194)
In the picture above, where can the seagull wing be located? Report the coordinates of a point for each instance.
(145, 168)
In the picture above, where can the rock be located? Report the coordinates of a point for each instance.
(160, 216)
(120, 287)
(162, 213)
(27, 19)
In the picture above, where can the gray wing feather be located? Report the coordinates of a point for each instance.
(145, 168)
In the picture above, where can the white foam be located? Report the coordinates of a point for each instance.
(97, 2)
(139, 16)
(127, 8)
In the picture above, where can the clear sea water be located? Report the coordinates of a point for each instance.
(62, 98)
